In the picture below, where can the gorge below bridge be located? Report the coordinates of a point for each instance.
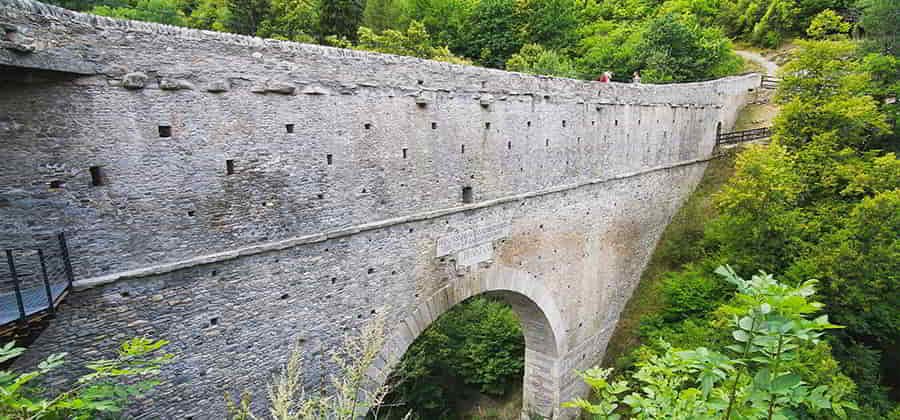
(234, 195)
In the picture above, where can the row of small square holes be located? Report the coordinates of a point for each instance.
(289, 128)
(97, 178)
(166, 130)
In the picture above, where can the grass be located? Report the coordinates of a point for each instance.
(507, 407)
(751, 66)
(686, 228)
(756, 116)
(746, 46)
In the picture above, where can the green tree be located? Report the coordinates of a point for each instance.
(382, 14)
(478, 343)
(87, 5)
(445, 20)
(611, 47)
(160, 11)
(617, 10)
(676, 49)
(535, 59)
(881, 22)
(805, 204)
(210, 14)
(754, 227)
(105, 391)
(769, 22)
(825, 90)
(859, 264)
(706, 11)
(668, 48)
(828, 24)
(341, 18)
(492, 33)
(550, 23)
(414, 42)
(293, 20)
(246, 15)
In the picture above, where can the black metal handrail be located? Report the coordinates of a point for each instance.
(744, 135)
(27, 300)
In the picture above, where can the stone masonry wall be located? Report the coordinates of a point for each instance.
(520, 133)
(255, 191)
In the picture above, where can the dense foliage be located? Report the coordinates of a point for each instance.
(881, 23)
(105, 391)
(669, 41)
(414, 42)
(535, 59)
(761, 373)
(476, 345)
(821, 201)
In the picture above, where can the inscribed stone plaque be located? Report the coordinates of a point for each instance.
(471, 238)
(472, 256)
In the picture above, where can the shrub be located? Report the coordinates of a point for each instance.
(828, 24)
(759, 376)
(105, 391)
(692, 292)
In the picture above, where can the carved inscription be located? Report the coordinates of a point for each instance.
(471, 238)
(472, 256)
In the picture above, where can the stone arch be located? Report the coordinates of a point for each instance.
(542, 326)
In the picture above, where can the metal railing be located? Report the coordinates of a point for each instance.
(744, 135)
(38, 280)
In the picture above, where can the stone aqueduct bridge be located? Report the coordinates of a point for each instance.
(252, 192)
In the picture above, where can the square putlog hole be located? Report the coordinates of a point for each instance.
(468, 196)
(165, 131)
(98, 178)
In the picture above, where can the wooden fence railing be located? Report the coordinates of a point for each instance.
(769, 82)
(744, 135)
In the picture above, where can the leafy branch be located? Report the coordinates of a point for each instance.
(756, 382)
(107, 389)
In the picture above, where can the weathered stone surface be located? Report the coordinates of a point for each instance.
(258, 88)
(308, 230)
(21, 47)
(280, 86)
(315, 90)
(175, 84)
(219, 86)
(13, 39)
(115, 70)
(135, 80)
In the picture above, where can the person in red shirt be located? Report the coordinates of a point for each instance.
(604, 77)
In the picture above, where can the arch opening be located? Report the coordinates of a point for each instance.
(469, 360)
(541, 329)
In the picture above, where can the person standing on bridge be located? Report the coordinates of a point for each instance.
(605, 77)
(636, 77)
